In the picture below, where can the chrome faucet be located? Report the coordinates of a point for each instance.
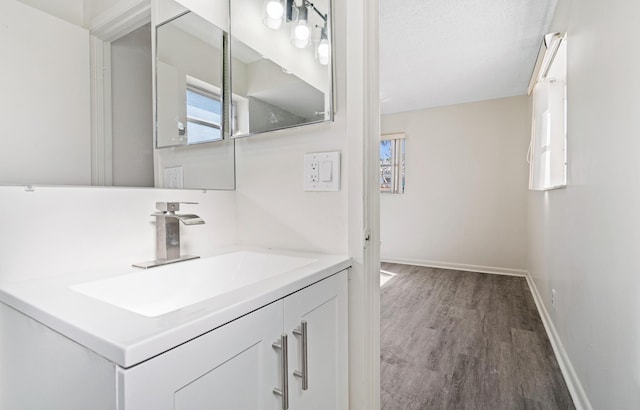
(168, 234)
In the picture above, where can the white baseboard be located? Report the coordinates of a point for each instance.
(580, 400)
(458, 266)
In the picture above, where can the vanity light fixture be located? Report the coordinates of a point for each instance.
(277, 11)
(273, 13)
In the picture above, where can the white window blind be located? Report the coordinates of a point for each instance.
(204, 116)
(547, 151)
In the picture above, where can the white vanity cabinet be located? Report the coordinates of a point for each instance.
(236, 366)
(323, 308)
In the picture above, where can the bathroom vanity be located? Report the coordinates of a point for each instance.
(247, 329)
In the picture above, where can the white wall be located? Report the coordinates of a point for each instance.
(66, 229)
(132, 109)
(215, 11)
(60, 229)
(78, 12)
(69, 10)
(93, 8)
(265, 116)
(273, 209)
(54, 230)
(188, 53)
(583, 240)
(466, 182)
(44, 103)
(108, 225)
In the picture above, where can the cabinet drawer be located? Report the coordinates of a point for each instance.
(232, 367)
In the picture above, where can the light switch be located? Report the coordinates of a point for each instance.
(322, 171)
(326, 168)
(173, 177)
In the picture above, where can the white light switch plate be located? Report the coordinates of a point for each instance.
(173, 177)
(322, 171)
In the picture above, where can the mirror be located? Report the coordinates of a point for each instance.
(281, 64)
(48, 104)
(188, 82)
(191, 148)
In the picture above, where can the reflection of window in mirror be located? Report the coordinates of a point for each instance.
(204, 116)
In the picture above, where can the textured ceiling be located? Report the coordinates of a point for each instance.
(442, 52)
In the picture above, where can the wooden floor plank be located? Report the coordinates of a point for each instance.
(462, 340)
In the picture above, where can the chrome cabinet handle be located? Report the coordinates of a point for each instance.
(284, 351)
(304, 374)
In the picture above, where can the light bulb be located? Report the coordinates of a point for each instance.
(273, 12)
(274, 9)
(301, 32)
(324, 48)
(323, 52)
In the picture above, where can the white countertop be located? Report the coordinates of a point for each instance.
(128, 338)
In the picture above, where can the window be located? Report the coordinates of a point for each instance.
(204, 116)
(392, 148)
(547, 151)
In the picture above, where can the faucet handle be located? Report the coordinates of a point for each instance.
(171, 206)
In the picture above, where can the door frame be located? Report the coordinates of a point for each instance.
(114, 23)
(363, 130)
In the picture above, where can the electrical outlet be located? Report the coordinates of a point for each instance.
(554, 299)
(322, 171)
(314, 171)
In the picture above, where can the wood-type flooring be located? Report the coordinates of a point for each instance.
(463, 340)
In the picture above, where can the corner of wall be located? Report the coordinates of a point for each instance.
(579, 396)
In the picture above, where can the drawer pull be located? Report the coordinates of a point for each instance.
(284, 363)
(304, 374)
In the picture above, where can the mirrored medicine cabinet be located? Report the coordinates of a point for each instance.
(163, 102)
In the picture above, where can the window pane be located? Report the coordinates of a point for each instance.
(204, 108)
(392, 165)
(386, 165)
(202, 133)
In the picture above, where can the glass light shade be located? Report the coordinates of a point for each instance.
(322, 51)
(323, 48)
(273, 14)
(301, 32)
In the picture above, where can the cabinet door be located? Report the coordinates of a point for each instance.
(323, 306)
(232, 367)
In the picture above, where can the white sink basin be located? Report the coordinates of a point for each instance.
(157, 291)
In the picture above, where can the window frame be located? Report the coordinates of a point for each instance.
(547, 154)
(397, 164)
